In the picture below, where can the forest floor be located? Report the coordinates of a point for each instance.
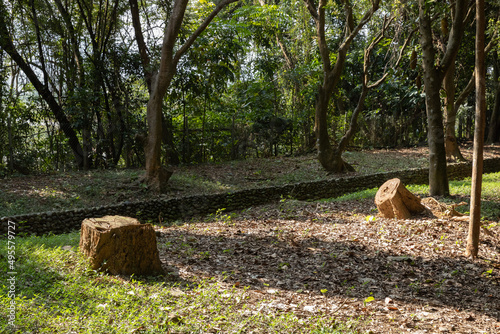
(338, 259)
(77, 189)
(327, 259)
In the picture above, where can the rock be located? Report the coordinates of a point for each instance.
(120, 246)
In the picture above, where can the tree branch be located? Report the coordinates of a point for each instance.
(139, 37)
(400, 58)
(322, 44)
(368, 15)
(455, 36)
(471, 84)
(201, 28)
(312, 9)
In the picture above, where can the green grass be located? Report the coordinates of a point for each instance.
(56, 292)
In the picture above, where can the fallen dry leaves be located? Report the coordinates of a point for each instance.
(337, 258)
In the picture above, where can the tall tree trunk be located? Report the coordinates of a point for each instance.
(438, 178)
(156, 175)
(477, 162)
(330, 158)
(75, 48)
(433, 78)
(10, 164)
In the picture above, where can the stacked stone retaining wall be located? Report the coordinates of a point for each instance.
(185, 207)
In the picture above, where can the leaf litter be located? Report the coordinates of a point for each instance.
(337, 259)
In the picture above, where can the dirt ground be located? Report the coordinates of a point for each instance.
(329, 258)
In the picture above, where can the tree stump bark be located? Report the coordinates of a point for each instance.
(120, 246)
(393, 200)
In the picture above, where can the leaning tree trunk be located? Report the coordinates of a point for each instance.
(6, 43)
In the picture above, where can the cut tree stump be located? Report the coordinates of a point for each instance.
(393, 200)
(120, 246)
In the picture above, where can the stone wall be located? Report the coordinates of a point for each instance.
(186, 207)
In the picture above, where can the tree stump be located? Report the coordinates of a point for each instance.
(393, 200)
(120, 246)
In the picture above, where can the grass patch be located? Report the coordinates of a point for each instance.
(68, 190)
(56, 292)
(363, 194)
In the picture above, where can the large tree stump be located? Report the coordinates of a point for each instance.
(120, 245)
(393, 200)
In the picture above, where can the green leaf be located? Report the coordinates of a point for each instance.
(367, 300)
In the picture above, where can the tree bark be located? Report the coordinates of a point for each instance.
(433, 78)
(477, 162)
(120, 246)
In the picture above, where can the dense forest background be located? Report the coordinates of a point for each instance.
(73, 84)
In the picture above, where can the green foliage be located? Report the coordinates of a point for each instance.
(253, 63)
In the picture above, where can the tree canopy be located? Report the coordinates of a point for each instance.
(99, 84)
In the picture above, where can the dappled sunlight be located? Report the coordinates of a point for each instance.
(331, 263)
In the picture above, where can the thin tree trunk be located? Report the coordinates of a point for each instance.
(86, 126)
(451, 144)
(477, 162)
(10, 163)
(493, 129)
